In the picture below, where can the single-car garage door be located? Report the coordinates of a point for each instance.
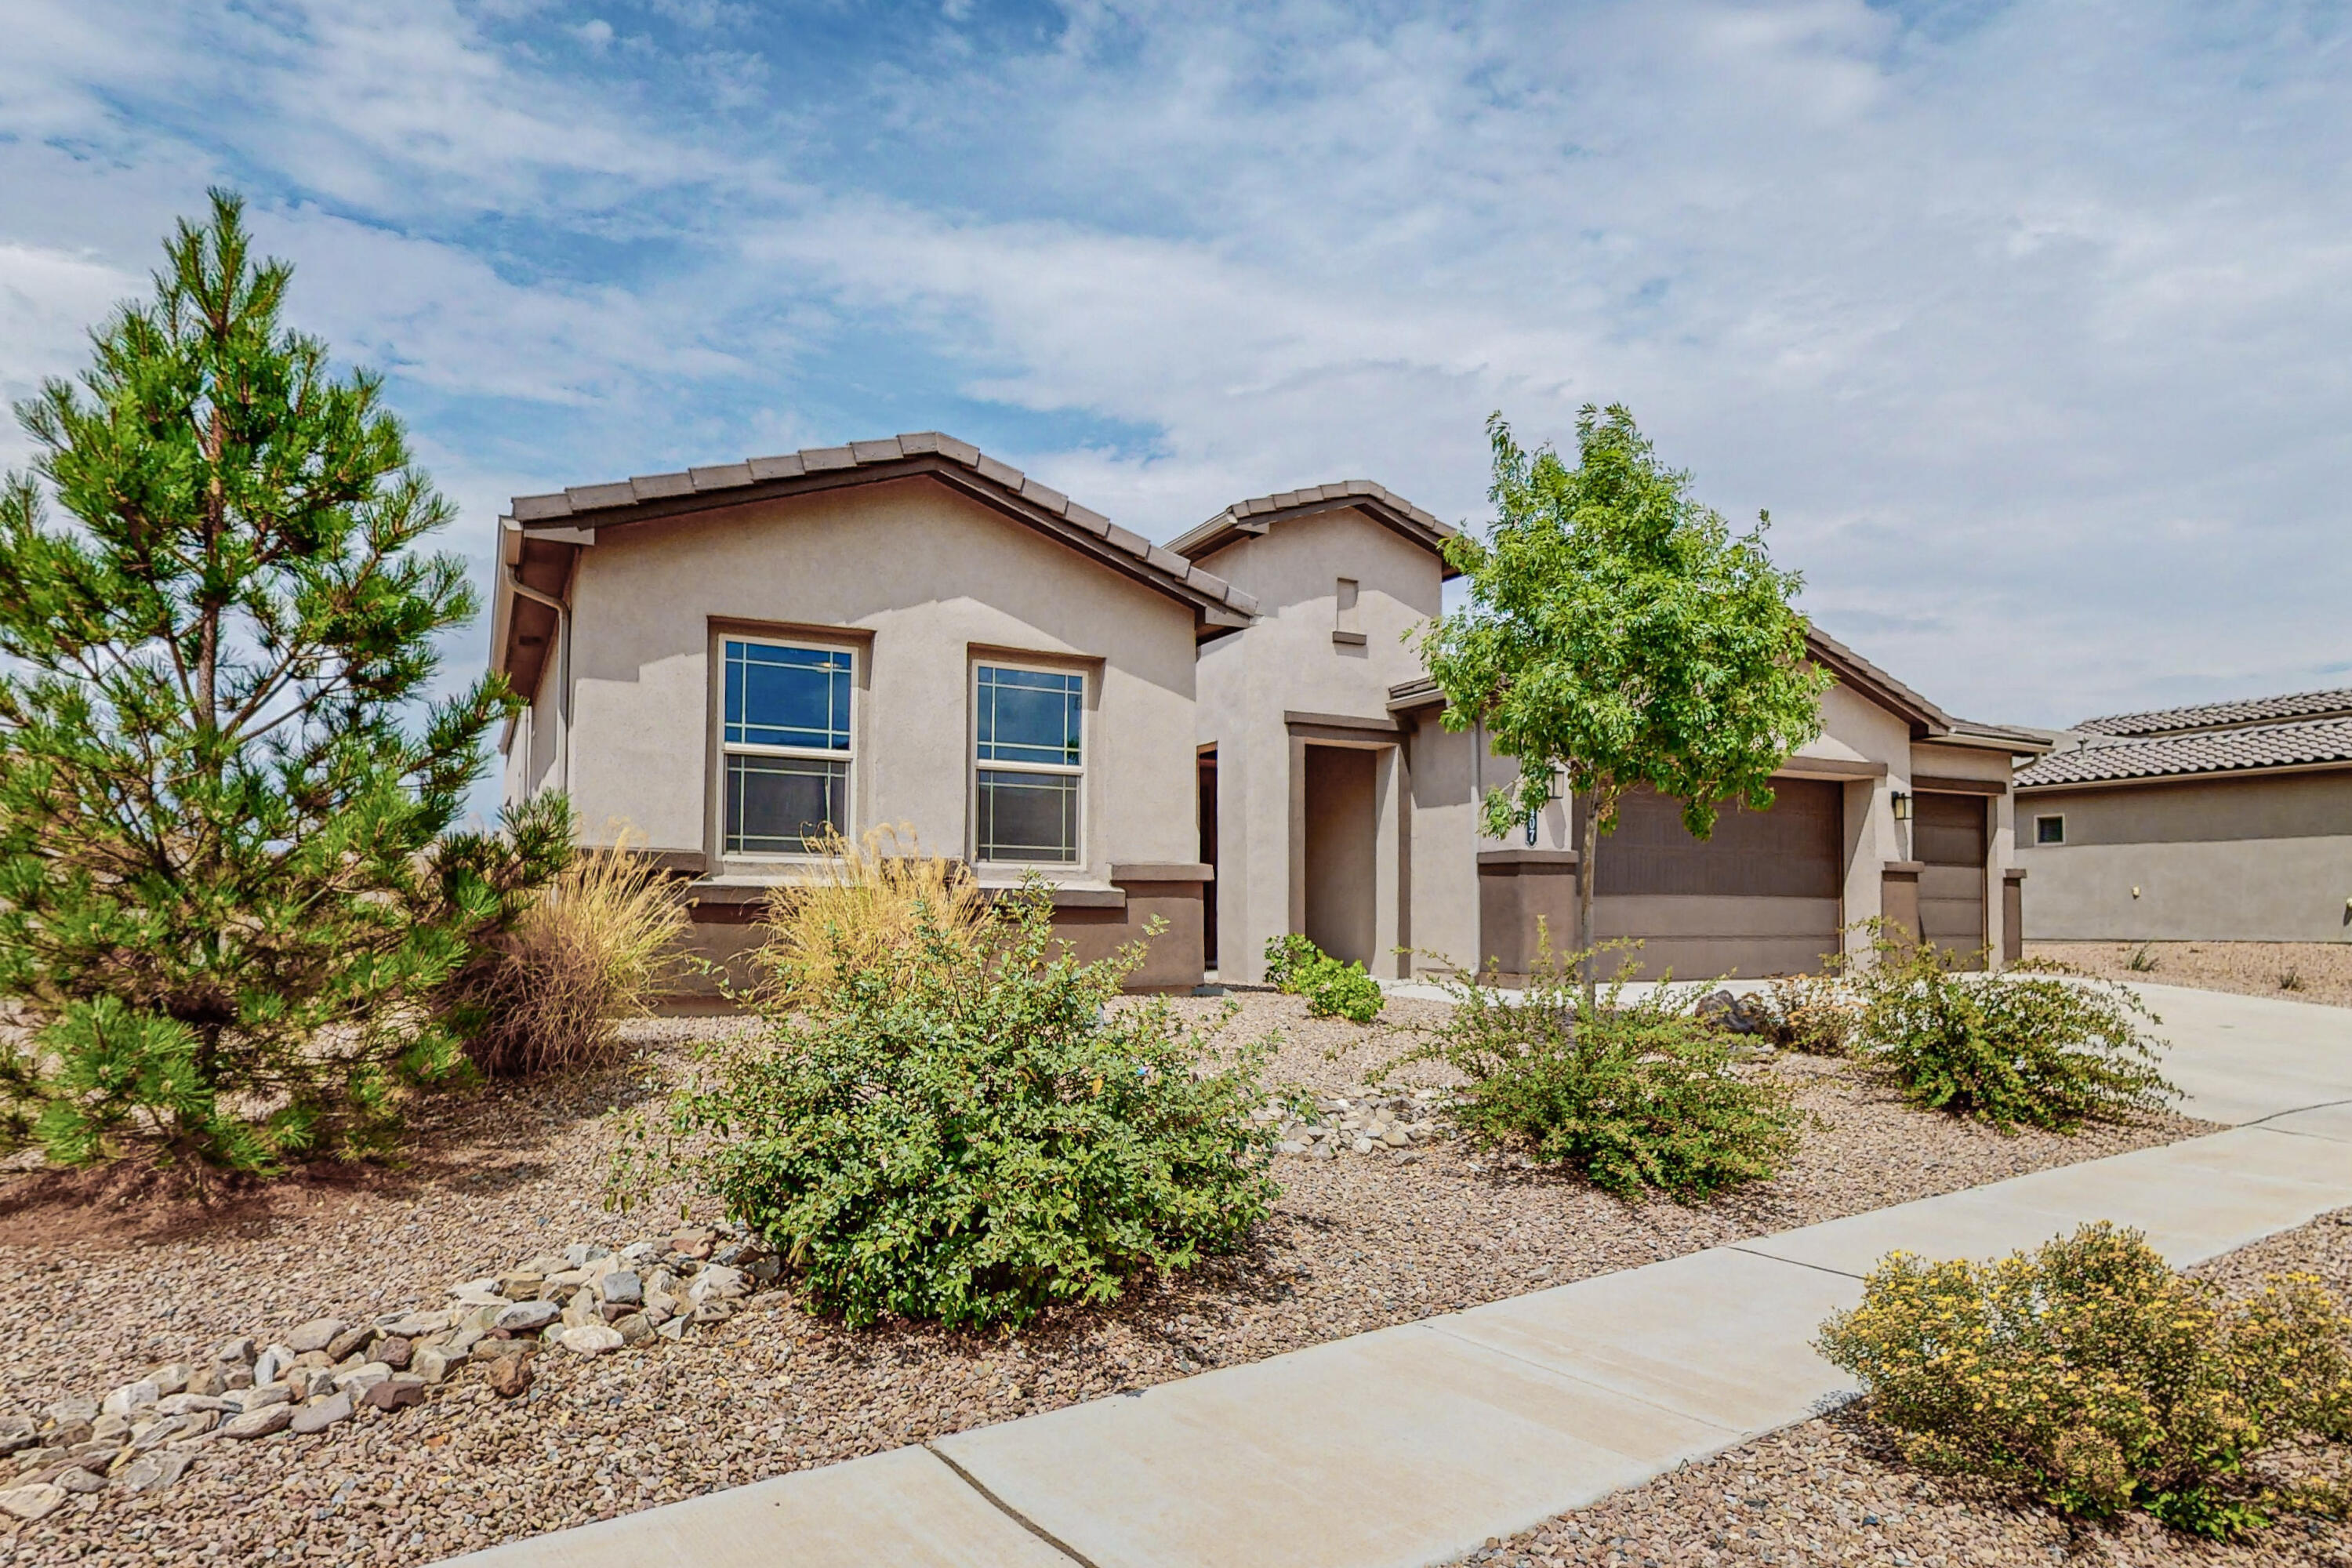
(1948, 837)
(1760, 897)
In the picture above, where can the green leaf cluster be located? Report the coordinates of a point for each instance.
(968, 1131)
(2036, 1045)
(1297, 967)
(1619, 633)
(2091, 1375)
(228, 889)
(1632, 1095)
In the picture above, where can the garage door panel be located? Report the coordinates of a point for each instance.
(1652, 916)
(1965, 883)
(1742, 957)
(1794, 850)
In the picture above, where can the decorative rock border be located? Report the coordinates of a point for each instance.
(589, 1299)
(1362, 1123)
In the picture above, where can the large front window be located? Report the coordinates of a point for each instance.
(1031, 764)
(785, 728)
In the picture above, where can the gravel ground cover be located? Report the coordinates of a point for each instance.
(1836, 1491)
(99, 1283)
(2322, 970)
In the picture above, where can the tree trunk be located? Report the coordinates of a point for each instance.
(1595, 808)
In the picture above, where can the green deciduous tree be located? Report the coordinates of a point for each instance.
(227, 890)
(1617, 632)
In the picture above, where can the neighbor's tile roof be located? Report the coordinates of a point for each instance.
(591, 502)
(2225, 715)
(2210, 752)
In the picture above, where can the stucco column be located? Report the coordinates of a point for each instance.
(1391, 927)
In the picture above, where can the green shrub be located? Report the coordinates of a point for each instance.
(2094, 1376)
(1641, 1095)
(969, 1133)
(1297, 967)
(2039, 1044)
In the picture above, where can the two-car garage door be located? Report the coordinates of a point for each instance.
(1761, 897)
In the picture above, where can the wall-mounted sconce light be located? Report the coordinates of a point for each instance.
(1901, 803)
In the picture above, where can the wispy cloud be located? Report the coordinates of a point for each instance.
(2030, 323)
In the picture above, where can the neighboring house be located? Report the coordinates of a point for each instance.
(2227, 822)
(1232, 733)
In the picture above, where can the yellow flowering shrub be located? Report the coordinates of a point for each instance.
(2092, 1375)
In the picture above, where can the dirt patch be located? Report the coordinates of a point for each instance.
(1836, 1489)
(2320, 971)
(1356, 1243)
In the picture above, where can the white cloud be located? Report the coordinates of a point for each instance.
(2031, 331)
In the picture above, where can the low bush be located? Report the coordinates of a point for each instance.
(591, 950)
(2091, 1375)
(1639, 1094)
(2038, 1045)
(1810, 1012)
(858, 905)
(964, 1128)
(1297, 967)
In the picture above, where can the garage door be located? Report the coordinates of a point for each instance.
(1947, 839)
(1760, 897)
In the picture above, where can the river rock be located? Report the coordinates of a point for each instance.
(16, 1433)
(32, 1503)
(315, 1335)
(321, 1413)
(259, 1423)
(511, 1377)
(528, 1316)
(622, 1288)
(591, 1339)
(130, 1397)
(154, 1472)
(350, 1341)
(397, 1393)
(77, 1479)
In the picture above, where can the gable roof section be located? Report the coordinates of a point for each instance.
(1246, 519)
(2297, 705)
(1927, 722)
(2315, 743)
(550, 529)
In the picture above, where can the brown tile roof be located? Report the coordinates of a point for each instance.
(1255, 515)
(666, 495)
(2226, 715)
(2202, 753)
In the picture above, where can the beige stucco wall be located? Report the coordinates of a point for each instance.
(1287, 661)
(2246, 859)
(915, 577)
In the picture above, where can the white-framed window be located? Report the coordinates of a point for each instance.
(786, 744)
(1028, 764)
(2049, 830)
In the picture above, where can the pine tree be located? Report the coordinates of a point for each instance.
(228, 889)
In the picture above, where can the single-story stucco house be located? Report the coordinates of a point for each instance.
(2224, 822)
(1230, 732)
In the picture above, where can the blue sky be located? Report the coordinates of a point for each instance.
(2030, 323)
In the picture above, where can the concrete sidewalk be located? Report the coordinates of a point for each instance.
(1413, 1444)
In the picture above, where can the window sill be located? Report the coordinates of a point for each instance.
(1348, 639)
(997, 888)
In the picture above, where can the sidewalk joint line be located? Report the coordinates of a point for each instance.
(1009, 1512)
(1799, 1262)
(2293, 1110)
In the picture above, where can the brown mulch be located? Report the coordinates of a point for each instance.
(1834, 1489)
(2320, 971)
(98, 1283)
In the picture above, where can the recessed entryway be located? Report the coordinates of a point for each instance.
(1342, 862)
